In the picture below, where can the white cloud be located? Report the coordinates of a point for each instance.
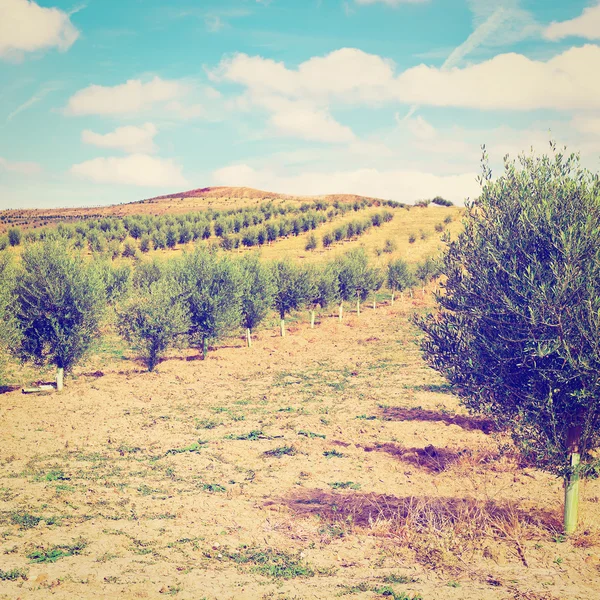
(130, 139)
(587, 26)
(136, 169)
(27, 27)
(509, 81)
(349, 76)
(23, 168)
(129, 98)
(401, 185)
(310, 124)
(420, 128)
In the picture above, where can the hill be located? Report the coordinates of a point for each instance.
(177, 203)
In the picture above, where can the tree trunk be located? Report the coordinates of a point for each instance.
(282, 327)
(249, 338)
(60, 375)
(358, 306)
(572, 482)
(341, 310)
(312, 319)
(392, 298)
(374, 304)
(204, 348)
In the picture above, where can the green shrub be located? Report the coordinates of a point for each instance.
(517, 329)
(154, 320)
(59, 303)
(390, 246)
(257, 290)
(14, 236)
(311, 242)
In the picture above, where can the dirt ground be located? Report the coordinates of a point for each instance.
(330, 463)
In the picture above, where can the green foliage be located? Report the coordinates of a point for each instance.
(291, 287)
(117, 281)
(257, 290)
(25, 520)
(442, 201)
(390, 246)
(281, 451)
(59, 304)
(54, 553)
(427, 270)
(412, 238)
(356, 277)
(399, 277)
(13, 575)
(518, 330)
(154, 319)
(311, 242)
(9, 332)
(271, 563)
(14, 236)
(212, 289)
(327, 240)
(323, 289)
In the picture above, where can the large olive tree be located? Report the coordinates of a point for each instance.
(518, 327)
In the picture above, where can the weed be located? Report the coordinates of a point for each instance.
(390, 593)
(332, 454)
(56, 475)
(367, 418)
(55, 553)
(271, 563)
(281, 451)
(394, 578)
(25, 520)
(195, 447)
(254, 435)
(212, 487)
(311, 434)
(345, 485)
(13, 575)
(207, 424)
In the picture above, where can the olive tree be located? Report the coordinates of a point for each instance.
(154, 319)
(60, 300)
(518, 327)
(356, 277)
(324, 289)
(211, 286)
(291, 288)
(426, 271)
(399, 277)
(258, 289)
(9, 332)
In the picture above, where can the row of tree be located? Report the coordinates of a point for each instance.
(52, 305)
(178, 229)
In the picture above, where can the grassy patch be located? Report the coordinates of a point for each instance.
(255, 434)
(54, 553)
(311, 434)
(332, 454)
(212, 487)
(25, 520)
(271, 563)
(13, 575)
(281, 451)
(195, 447)
(345, 485)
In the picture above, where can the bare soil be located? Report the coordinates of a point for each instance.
(332, 462)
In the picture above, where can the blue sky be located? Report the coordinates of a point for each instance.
(112, 101)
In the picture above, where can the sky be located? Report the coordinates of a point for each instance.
(110, 101)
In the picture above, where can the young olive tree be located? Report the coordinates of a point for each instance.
(60, 301)
(291, 288)
(324, 289)
(212, 288)
(399, 277)
(258, 289)
(154, 319)
(356, 277)
(426, 271)
(9, 332)
(518, 328)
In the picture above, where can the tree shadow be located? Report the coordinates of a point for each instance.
(397, 413)
(365, 509)
(431, 459)
(5, 389)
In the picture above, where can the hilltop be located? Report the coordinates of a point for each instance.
(176, 203)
